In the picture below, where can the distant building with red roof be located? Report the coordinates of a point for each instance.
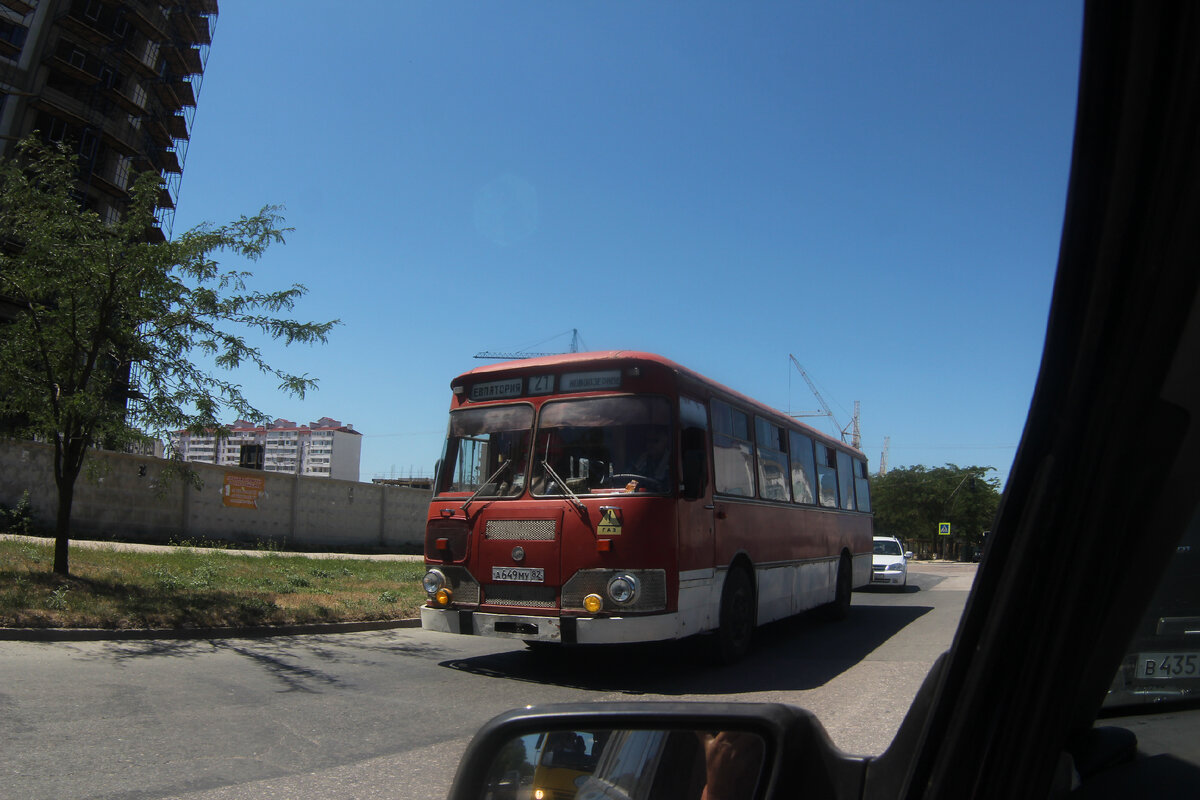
(322, 449)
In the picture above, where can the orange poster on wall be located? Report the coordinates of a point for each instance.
(242, 491)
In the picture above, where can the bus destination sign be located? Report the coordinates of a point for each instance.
(496, 390)
(544, 384)
(591, 381)
(541, 384)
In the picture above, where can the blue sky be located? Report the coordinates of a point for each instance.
(877, 188)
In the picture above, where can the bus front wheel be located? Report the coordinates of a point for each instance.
(736, 627)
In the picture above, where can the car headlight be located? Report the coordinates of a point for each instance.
(897, 567)
(433, 581)
(623, 589)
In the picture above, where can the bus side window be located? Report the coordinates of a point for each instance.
(733, 454)
(862, 487)
(845, 481)
(803, 469)
(773, 483)
(827, 476)
(693, 441)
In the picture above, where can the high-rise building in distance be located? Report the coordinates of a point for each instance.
(322, 449)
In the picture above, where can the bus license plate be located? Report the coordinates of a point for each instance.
(1168, 665)
(523, 574)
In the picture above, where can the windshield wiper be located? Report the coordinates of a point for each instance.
(485, 484)
(574, 497)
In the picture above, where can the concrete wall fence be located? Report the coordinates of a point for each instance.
(124, 496)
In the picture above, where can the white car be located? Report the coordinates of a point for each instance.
(889, 564)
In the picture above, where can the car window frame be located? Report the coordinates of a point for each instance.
(1081, 538)
(1122, 347)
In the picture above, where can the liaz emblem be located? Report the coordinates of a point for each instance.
(610, 521)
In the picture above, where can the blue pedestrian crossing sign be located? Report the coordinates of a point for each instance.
(943, 529)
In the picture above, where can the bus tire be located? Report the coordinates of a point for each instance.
(840, 607)
(736, 628)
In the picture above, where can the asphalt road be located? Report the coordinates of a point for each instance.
(387, 714)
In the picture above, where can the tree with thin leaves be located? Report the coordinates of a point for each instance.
(116, 336)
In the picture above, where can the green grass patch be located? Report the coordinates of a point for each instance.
(185, 589)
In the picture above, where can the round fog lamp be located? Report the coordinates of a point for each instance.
(623, 589)
(593, 603)
(433, 581)
(443, 596)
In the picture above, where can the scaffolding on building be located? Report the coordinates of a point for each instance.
(118, 82)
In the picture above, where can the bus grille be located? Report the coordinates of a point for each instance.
(526, 596)
(463, 584)
(520, 530)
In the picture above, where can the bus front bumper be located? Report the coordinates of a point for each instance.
(567, 630)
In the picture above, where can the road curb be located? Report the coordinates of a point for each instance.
(261, 632)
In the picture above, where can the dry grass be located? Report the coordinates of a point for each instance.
(187, 588)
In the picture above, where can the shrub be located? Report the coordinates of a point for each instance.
(18, 519)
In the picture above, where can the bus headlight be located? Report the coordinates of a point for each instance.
(613, 587)
(433, 581)
(593, 603)
(443, 596)
(623, 589)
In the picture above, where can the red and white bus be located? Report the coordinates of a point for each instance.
(621, 497)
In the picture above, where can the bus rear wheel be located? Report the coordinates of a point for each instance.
(732, 639)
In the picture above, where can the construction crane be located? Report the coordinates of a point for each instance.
(855, 433)
(856, 437)
(526, 354)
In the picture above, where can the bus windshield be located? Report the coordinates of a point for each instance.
(603, 444)
(486, 451)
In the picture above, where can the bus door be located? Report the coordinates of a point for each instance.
(695, 507)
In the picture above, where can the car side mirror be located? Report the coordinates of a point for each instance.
(645, 750)
(908, 554)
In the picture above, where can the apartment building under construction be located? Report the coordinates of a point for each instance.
(114, 81)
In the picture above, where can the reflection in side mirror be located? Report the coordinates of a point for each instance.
(656, 751)
(638, 764)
